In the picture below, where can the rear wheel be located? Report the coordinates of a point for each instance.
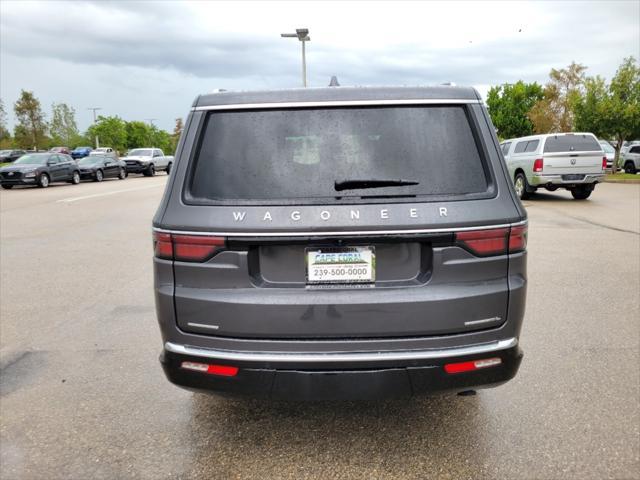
(520, 185)
(581, 193)
(169, 169)
(7, 187)
(150, 172)
(99, 176)
(629, 167)
(123, 174)
(75, 178)
(43, 181)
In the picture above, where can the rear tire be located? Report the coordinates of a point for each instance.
(75, 178)
(581, 193)
(169, 168)
(630, 167)
(99, 176)
(521, 187)
(7, 187)
(123, 174)
(43, 181)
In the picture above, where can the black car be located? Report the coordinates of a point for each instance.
(100, 166)
(10, 155)
(40, 169)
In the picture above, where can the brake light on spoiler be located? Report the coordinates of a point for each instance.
(496, 241)
(187, 248)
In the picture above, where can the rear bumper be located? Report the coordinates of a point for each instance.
(542, 180)
(342, 376)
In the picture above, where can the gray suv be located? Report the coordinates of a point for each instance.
(340, 243)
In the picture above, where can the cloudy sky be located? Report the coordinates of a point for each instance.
(147, 59)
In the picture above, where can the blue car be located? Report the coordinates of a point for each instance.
(81, 152)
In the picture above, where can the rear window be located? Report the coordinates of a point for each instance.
(532, 145)
(572, 143)
(299, 154)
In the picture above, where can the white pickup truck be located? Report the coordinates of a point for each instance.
(574, 161)
(148, 161)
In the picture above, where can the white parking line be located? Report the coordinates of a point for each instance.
(113, 192)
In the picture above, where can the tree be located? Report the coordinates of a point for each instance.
(31, 129)
(138, 134)
(591, 109)
(111, 131)
(624, 103)
(612, 111)
(161, 139)
(5, 136)
(63, 127)
(554, 112)
(509, 105)
(177, 132)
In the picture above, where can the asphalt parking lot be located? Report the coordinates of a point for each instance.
(82, 394)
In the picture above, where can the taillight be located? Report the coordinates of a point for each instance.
(497, 241)
(484, 242)
(472, 365)
(163, 247)
(604, 163)
(186, 248)
(222, 370)
(518, 239)
(538, 165)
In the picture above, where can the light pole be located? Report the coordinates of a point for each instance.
(151, 120)
(301, 34)
(94, 122)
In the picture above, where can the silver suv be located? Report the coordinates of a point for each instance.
(574, 161)
(340, 243)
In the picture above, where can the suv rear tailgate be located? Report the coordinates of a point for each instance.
(255, 294)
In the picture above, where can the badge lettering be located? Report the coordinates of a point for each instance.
(239, 216)
(443, 211)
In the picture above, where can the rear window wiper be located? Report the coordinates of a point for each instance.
(340, 185)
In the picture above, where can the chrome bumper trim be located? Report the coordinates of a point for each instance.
(299, 357)
(339, 233)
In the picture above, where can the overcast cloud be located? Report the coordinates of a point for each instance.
(144, 60)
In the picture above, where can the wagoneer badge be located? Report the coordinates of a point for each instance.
(325, 215)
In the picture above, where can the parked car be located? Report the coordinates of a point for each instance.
(609, 152)
(298, 255)
(626, 146)
(103, 151)
(148, 161)
(64, 150)
(574, 161)
(40, 169)
(81, 152)
(631, 159)
(10, 155)
(99, 167)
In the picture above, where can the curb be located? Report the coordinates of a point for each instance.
(616, 180)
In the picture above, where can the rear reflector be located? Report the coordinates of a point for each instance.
(538, 165)
(497, 241)
(471, 366)
(186, 248)
(222, 370)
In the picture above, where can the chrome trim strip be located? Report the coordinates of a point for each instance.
(484, 320)
(282, 357)
(345, 233)
(202, 325)
(337, 103)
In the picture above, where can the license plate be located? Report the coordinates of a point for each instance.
(341, 265)
(573, 176)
